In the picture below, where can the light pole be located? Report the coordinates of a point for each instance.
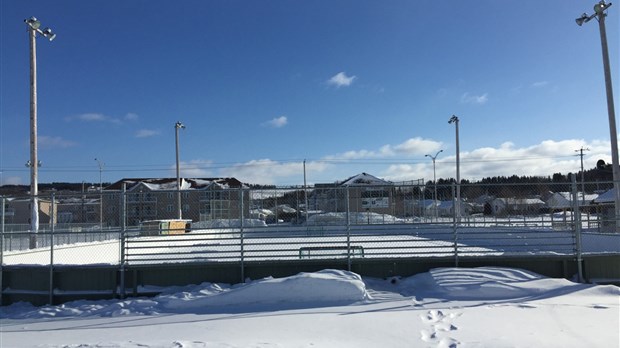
(434, 180)
(178, 126)
(34, 28)
(457, 206)
(100, 194)
(599, 14)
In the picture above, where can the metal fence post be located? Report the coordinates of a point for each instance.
(122, 239)
(241, 236)
(2, 248)
(348, 228)
(577, 228)
(51, 269)
(455, 227)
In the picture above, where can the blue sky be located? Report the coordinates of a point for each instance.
(347, 86)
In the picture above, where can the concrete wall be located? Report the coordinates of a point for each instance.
(32, 283)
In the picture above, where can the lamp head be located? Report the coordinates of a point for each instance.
(33, 23)
(47, 32)
(600, 7)
(453, 119)
(583, 19)
(179, 125)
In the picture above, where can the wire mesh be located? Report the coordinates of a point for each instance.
(354, 221)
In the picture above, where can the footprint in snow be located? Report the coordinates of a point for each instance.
(438, 325)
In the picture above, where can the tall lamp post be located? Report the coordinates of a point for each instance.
(457, 206)
(100, 194)
(599, 14)
(178, 126)
(434, 180)
(34, 28)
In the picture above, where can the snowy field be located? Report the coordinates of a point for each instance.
(446, 307)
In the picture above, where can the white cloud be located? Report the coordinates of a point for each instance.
(341, 80)
(539, 84)
(47, 142)
(543, 159)
(269, 172)
(413, 146)
(194, 169)
(277, 122)
(90, 117)
(466, 98)
(406, 161)
(11, 180)
(145, 133)
(131, 116)
(99, 117)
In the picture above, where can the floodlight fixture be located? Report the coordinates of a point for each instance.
(453, 119)
(35, 26)
(600, 8)
(33, 23)
(47, 32)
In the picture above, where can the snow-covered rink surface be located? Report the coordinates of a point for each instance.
(259, 244)
(446, 307)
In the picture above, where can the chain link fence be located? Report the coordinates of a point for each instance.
(146, 224)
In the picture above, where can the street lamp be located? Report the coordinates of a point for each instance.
(100, 194)
(457, 207)
(434, 180)
(34, 28)
(178, 126)
(599, 14)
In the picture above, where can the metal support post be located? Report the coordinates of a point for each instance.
(348, 229)
(241, 236)
(51, 269)
(577, 229)
(122, 240)
(455, 231)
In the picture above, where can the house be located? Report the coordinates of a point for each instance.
(507, 206)
(605, 204)
(157, 199)
(446, 208)
(365, 192)
(564, 200)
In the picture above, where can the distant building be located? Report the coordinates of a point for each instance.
(18, 211)
(365, 193)
(156, 198)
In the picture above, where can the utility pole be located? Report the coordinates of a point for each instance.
(583, 190)
(434, 181)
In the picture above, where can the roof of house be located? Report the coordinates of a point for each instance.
(166, 184)
(364, 179)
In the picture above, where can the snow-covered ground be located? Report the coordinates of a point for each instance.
(287, 243)
(446, 307)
